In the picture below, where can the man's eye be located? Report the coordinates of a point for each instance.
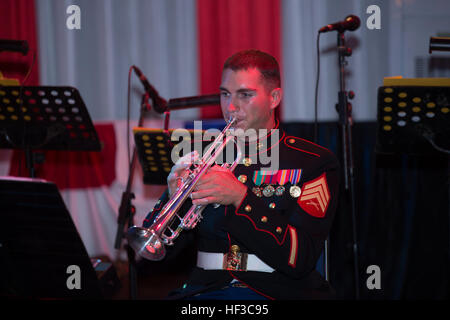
(246, 94)
(224, 94)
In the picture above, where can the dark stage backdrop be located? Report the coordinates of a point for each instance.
(402, 219)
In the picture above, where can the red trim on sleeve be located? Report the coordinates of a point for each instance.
(294, 247)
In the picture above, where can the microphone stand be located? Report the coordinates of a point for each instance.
(344, 108)
(127, 211)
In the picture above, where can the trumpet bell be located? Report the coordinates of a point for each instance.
(146, 243)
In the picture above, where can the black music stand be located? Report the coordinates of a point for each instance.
(154, 147)
(38, 244)
(45, 118)
(413, 120)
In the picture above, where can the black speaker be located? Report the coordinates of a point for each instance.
(41, 253)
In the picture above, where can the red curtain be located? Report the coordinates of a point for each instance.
(18, 22)
(227, 26)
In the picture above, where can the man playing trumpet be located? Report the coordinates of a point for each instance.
(262, 230)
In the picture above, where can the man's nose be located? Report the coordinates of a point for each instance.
(233, 106)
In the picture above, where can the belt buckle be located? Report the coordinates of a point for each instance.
(235, 260)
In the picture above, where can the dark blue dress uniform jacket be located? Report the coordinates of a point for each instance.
(285, 232)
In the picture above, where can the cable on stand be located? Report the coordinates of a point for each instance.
(344, 109)
(127, 211)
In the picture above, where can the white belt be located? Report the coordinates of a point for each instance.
(218, 261)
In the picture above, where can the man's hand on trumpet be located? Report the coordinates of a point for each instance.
(218, 185)
(180, 171)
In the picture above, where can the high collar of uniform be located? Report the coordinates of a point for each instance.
(264, 142)
(264, 137)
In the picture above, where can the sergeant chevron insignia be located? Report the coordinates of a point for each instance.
(315, 197)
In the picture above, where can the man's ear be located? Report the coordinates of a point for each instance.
(276, 96)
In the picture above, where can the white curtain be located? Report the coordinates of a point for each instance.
(159, 37)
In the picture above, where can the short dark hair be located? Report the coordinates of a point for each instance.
(262, 61)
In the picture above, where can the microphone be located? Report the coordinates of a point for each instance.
(159, 104)
(351, 23)
(195, 101)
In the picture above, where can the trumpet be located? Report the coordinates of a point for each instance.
(149, 243)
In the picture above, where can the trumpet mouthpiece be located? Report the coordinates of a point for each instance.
(231, 120)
